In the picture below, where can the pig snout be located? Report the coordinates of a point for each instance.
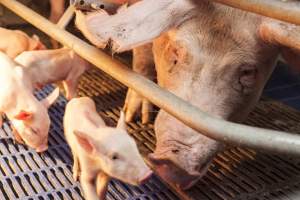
(172, 173)
(41, 148)
(182, 155)
(145, 176)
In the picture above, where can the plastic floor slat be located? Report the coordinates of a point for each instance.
(237, 174)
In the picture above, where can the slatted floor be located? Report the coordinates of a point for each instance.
(237, 174)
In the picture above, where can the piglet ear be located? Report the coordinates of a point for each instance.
(51, 98)
(121, 123)
(23, 115)
(36, 43)
(84, 141)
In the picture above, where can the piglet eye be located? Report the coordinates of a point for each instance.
(115, 156)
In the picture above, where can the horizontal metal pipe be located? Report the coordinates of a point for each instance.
(277, 9)
(192, 116)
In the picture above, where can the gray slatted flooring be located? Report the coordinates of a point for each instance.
(237, 174)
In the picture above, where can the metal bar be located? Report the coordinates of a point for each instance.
(192, 116)
(278, 9)
(67, 17)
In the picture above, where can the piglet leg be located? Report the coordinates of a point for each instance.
(102, 184)
(143, 63)
(1, 119)
(76, 167)
(88, 185)
(71, 82)
(17, 136)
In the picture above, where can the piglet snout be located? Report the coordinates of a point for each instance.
(146, 177)
(42, 148)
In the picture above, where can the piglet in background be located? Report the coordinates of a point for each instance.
(51, 66)
(29, 117)
(101, 152)
(17, 41)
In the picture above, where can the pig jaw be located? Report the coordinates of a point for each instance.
(183, 167)
(182, 156)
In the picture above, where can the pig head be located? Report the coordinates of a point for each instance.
(31, 124)
(28, 116)
(218, 64)
(219, 60)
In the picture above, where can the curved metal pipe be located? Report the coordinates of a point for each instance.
(277, 9)
(192, 116)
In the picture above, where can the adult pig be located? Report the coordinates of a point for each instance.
(50, 66)
(14, 42)
(218, 59)
(101, 152)
(29, 117)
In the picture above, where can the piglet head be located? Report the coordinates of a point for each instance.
(31, 125)
(116, 153)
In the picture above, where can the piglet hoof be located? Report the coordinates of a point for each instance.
(133, 103)
(76, 175)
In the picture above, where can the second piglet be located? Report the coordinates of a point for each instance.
(17, 41)
(28, 116)
(50, 66)
(101, 152)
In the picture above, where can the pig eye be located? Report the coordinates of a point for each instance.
(114, 156)
(175, 151)
(101, 6)
(248, 75)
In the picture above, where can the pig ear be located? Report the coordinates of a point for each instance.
(85, 142)
(23, 115)
(280, 33)
(51, 98)
(121, 122)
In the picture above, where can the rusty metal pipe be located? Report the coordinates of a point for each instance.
(288, 11)
(235, 134)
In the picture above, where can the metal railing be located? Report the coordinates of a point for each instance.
(232, 133)
(285, 10)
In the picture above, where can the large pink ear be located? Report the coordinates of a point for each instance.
(84, 141)
(23, 115)
(121, 123)
(51, 98)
